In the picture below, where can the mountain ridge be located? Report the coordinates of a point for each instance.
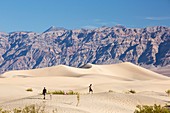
(53, 28)
(105, 45)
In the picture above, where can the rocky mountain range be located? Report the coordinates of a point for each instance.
(104, 45)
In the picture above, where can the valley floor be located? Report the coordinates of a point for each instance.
(117, 100)
(111, 86)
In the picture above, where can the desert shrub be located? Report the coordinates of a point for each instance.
(27, 109)
(29, 89)
(60, 92)
(132, 91)
(168, 92)
(55, 111)
(17, 110)
(151, 109)
(71, 92)
(110, 91)
(33, 109)
(4, 111)
(48, 92)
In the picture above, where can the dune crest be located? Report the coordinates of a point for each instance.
(124, 70)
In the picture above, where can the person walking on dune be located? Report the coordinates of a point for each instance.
(44, 92)
(90, 89)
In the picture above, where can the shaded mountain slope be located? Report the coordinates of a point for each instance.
(105, 45)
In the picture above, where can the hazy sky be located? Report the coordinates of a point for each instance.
(38, 15)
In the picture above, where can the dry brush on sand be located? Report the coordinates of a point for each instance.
(149, 88)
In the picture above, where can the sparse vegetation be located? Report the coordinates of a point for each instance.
(168, 92)
(110, 91)
(151, 109)
(27, 109)
(4, 111)
(29, 90)
(71, 92)
(132, 91)
(60, 92)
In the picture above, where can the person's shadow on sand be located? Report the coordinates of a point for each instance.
(35, 98)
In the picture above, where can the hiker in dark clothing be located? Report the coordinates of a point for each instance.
(44, 92)
(90, 89)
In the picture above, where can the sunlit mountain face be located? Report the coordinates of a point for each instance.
(104, 45)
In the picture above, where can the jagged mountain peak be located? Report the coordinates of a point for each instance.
(53, 28)
(120, 26)
(104, 45)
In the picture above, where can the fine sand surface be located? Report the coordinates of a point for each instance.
(150, 88)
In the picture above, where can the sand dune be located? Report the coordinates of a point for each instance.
(150, 88)
(162, 70)
(123, 70)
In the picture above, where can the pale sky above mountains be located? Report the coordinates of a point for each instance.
(39, 15)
